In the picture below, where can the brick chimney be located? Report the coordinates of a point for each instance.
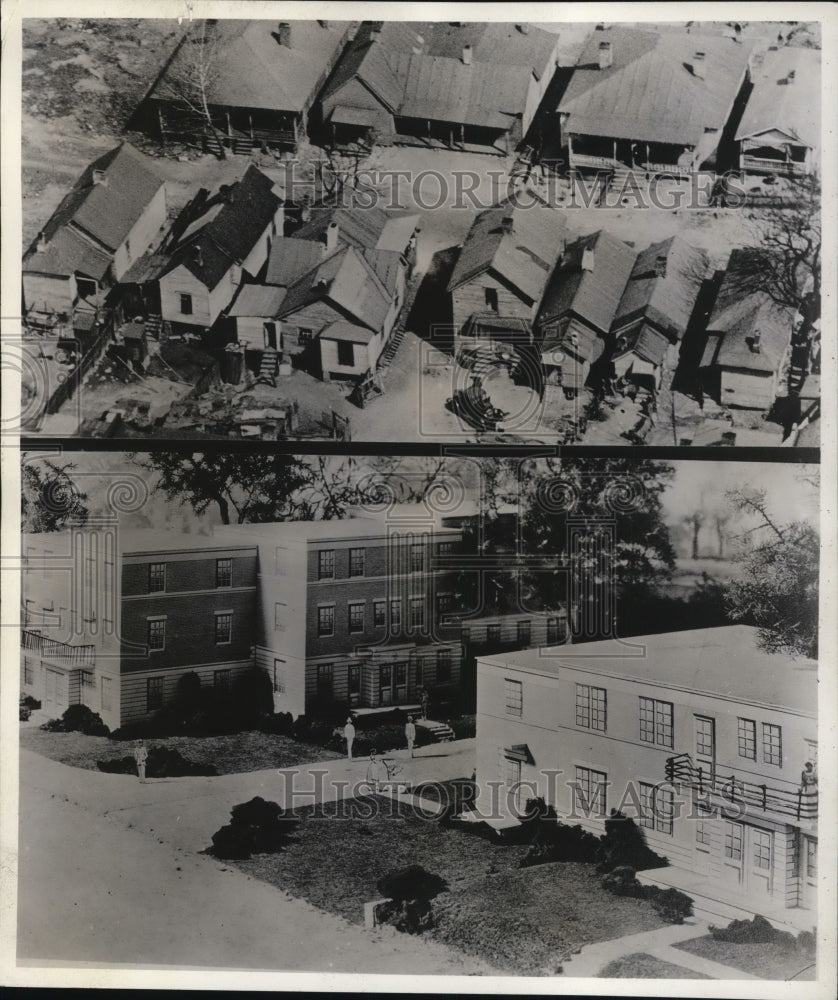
(755, 347)
(660, 265)
(507, 224)
(100, 177)
(523, 28)
(467, 52)
(606, 55)
(698, 65)
(42, 242)
(790, 76)
(197, 256)
(588, 259)
(284, 34)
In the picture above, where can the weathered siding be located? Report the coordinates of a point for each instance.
(365, 357)
(48, 292)
(470, 299)
(750, 390)
(143, 233)
(181, 281)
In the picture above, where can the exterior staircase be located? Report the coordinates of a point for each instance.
(153, 327)
(441, 732)
(797, 376)
(389, 351)
(268, 366)
(619, 177)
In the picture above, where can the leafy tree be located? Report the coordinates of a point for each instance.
(778, 591)
(50, 499)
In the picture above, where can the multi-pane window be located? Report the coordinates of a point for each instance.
(444, 604)
(356, 617)
(395, 613)
(224, 572)
(417, 612)
(443, 666)
(354, 679)
(156, 633)
(811, 858)
(326, 619)
(357, 558)
(514, 697)
(156, 577)
(772, 744)
(221, 679)
(446, 548)
(280, 616)
(493, 634)
(733, 841)
(304, 336)
(761, 847)
(326, 564)
(223, 626)
(524, 633)
(591, 707)
(417, 558)
(656, 722)
(702, 827)
(589, 790)
(279, 674)
(379, 614)
(747, 738)
(154, 694)
(657, 808)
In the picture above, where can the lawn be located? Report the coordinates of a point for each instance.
(642, 966)
(768, 960)
(231, 754)
(523, 921)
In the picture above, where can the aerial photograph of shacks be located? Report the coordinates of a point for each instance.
(421, 527)
(606, 234)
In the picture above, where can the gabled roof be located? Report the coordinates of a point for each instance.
(257, 300)
(429, 80)
(227, 235)
(103, 212)
(738, 316)
(250, 69)
(523, 258)
(347, 282)
(792, 106)
(650, 91)
(357, 227)
(644, 341)
(290, 258)
(592, 295)
(665, 300)
(349, 332)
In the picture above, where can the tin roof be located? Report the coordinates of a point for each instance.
(786, 96)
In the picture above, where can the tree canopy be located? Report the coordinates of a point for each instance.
(50, 498)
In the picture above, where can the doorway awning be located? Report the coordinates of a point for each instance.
(519, 752)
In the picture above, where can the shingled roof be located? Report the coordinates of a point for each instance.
(593, 295)
(651, 91)
(786, 96)
(228, 228)
(250, 67)
(94, 219)
(523, 258)
(666, 300)
(738, 316)
(428, 79)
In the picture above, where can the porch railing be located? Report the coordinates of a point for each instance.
(790, 167)
(59, 652)
(800, 803)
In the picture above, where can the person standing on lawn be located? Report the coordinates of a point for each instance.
(376, 772)
(141, 756)
(349, 736)
(410, 733)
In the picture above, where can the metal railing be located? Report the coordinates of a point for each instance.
(60, 652)
(800, 803)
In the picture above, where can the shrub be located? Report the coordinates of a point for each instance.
(622, 882)
(671, 904)
(29, 702)
(278, 724)
(162, 763)
(755, 931)
(251, 696)
(411, 882)
(78, 719)
(625, 844)
(188, 693)
(255, 827)
(554, 841)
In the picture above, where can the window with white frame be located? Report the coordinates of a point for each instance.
(589, 790)
(591, 707)
(154, 694)
(379, 614)
(417, 558)
(656, 722)
(224, 572)
(326, 564)
(357, 559)
(657, 808)
(356, 616)
(156, 635)
(747, 738)
(326, 619)
(703, 823)
(395, 613)
(223, 627)
(156, 577)
(417, 612)
(280, 616)
(514, 691)
(772, 744)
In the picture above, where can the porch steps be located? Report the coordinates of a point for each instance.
(797, 376)
(153, 326)
(268, 366)
(389, 351)
(441, 732)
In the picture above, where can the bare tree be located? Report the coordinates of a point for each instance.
(191, 76)
(695, 521)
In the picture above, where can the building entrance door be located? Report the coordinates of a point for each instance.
(760, 861)
(705, 747)
(392, 683)
(55, 692)
(733, 851)
(809, 873)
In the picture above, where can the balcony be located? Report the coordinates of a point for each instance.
(63, 653)
(795, 803)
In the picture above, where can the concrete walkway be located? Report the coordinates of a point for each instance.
(594, 957)
(109, 874)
